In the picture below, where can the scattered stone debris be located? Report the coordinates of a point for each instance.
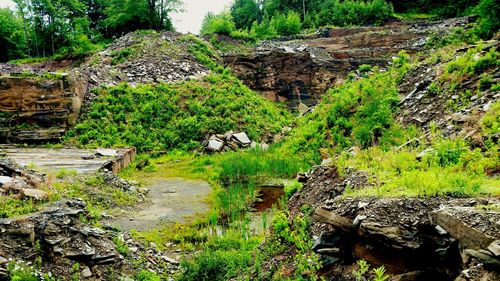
(111, 179)
(166, 261)
(19, 181)
(320, 185)
(59, 237)
(421, 106)
(231, 141)
(137, 58)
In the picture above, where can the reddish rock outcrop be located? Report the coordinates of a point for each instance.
(34, 109)
(301, 70)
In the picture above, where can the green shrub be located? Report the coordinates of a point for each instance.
(222, 258)
(356, 113)
(263, 30)
(346, 13)
(489, 21)
(473, 62)
(218, 24)
(491, 120)
(145, 275)
(286, 25)
(21, 272)
(121, 55)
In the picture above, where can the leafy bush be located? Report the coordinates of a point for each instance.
(120, 56)
(346, 13)
(218, 24)
(166, 116)
(489, 21)
(491, 121)
(286, 25)
(145, 275)
(22, 272)
(222, 258)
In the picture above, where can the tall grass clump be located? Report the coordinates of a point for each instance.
(256, 163)
(450, 167)
(226, 257)
(239, 173)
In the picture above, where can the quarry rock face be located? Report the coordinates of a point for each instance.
(35, 109)
(59, 233)
(301, 70)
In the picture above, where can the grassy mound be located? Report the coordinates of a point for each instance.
(181, 115)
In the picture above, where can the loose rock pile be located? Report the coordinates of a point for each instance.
(163, 262)
(18, 181)
(438, 237)
(151, 58)
(231, 141)
(421, 106)
(59, 236)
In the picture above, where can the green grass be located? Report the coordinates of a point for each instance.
(222, 258)
(11, 207)
(255, 163)
(453, 169)
(31, 60)
(490, 123)
(411, 16)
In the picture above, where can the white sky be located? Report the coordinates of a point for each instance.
(189, 21)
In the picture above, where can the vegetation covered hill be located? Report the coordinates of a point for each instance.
(182, 115)
(366, 173)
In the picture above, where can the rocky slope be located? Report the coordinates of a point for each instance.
(302, 69)
(415, 238)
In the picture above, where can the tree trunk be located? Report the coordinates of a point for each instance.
(162, 15)
(25, 31)
(304, 8)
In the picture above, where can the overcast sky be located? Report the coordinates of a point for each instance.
(189, 21)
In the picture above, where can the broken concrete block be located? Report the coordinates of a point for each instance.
(241, 138)
(494, 247)
(215, 144)
(107, 152)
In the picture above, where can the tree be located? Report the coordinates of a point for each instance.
(12, 36)
(123, 16)
(244, 13)
(489, 22)
(218, 24)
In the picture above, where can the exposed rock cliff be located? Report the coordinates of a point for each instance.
(300, 70)
(39, 108)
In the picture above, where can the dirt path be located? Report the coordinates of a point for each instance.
(172, 200)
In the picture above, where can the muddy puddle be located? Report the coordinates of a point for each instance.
(171, 200)
(268, 197)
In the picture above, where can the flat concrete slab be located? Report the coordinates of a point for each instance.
(51, 160)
